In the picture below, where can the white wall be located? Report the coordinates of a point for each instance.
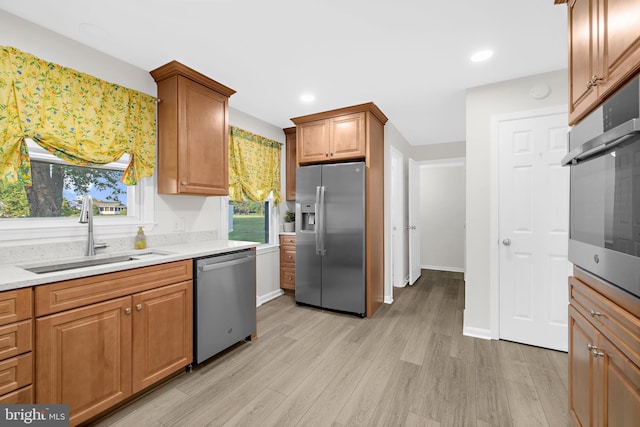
(442, 215)
(172, 213)
(482, 103)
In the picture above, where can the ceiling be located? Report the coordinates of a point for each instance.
(409, 57)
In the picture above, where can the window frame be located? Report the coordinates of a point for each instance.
(140, 210)
(273, 222)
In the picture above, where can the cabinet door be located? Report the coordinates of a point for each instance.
(312, 142)
(581, 368)
(83, 358)
(290, 139)
(620, 388)
(583, 60)
(347, 137)
(162, 333)
(203, 140)
(619, 43)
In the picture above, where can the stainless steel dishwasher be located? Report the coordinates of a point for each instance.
(224, 302)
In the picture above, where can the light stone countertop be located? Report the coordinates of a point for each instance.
(14, 276)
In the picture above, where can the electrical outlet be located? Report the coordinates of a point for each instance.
(179, 224)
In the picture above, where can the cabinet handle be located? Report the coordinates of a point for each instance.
(184, 183)
(597, 353)
(595, 313)
(592, 347)
(127, 310)
(139, 307)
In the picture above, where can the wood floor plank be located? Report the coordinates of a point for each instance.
(492, 403)
(258, 409)
(552, 392)
(333, 397)
(525, 406)
(362, 403)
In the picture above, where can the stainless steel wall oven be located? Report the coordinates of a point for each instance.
(604, 156)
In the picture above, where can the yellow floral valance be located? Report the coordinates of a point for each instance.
(77, 117)
(254, 166)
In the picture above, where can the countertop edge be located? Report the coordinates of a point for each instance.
(13, 277)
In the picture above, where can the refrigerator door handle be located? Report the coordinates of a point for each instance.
(320, 250)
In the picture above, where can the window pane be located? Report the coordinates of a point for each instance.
(249, 221)
(57, 188)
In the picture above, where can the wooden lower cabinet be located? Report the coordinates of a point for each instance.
(288, 262)
(95, 356)
(83, 358)
(162, 333)
(604, 350)
(16, 344)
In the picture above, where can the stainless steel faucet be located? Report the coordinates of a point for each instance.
(86, 217)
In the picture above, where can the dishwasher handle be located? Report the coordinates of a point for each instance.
(218, 265)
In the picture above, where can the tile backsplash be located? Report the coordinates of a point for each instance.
(17, 252)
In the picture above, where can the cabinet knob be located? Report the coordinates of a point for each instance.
(184, 183)
(139, 307)
(591, 347)
(326, 154)
(597, 353)
(595, 313)
(127, 310)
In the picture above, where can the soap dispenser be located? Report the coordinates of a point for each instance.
(141, 239)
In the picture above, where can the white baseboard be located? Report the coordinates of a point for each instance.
(481, 333)
(261, 299)
(442, 268)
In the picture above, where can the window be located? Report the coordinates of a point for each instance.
(51, 206)
(252, 221)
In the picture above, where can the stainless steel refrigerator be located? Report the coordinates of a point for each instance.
(330, 237)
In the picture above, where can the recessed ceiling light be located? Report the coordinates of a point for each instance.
(307, 97)
(481, 55)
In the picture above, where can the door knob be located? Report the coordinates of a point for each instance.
(506, 242)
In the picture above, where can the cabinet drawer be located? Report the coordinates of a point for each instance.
(18, 397)
(88, 290)
(15, 373)
(286, 240)
(15, 339)
(287, 257)
(617, 324)
(15, 305)
(288, 278)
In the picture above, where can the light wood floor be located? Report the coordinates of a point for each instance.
(409, 365)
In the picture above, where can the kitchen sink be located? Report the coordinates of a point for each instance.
(63, 265)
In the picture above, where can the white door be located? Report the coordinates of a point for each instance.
(414, 220)
(533, 230)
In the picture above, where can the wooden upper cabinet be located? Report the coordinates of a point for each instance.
(313, 142)
(193, 132)
(604, 51)
(333, 139)
(336, 135)
(583, 61)
(291, 162)
(347, 137)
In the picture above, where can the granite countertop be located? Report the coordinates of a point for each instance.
(14, 276)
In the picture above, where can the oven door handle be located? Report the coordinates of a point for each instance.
(600, 143)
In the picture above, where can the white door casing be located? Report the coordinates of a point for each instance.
(533, 216)
(414, 221)
(398, 269)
